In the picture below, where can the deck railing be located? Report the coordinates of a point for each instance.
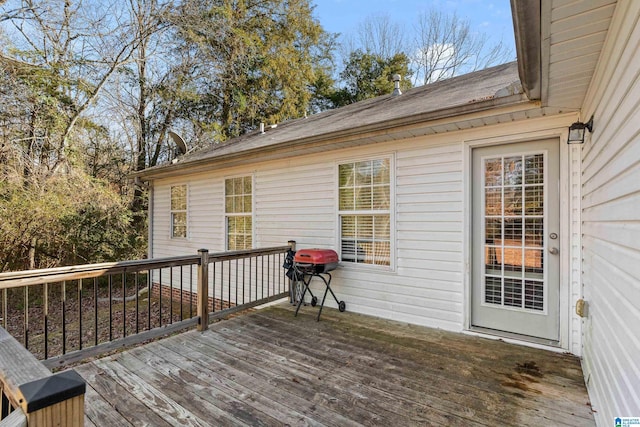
(66, 314)
(30, 395)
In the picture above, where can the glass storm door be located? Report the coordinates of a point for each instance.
(516, 240)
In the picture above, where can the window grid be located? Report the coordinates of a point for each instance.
(364, 201)
(179, 211)
(239, 212)
(514, 228)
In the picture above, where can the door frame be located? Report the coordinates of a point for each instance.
(567, 233)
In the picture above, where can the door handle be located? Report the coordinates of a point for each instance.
(554, 251)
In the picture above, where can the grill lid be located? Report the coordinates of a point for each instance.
(316, 256)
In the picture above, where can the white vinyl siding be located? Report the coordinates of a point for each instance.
(179, 211)
(429, 204)
(295, 202)
(611, 224)
(297, 199)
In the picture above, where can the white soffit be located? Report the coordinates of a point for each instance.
(573, 34)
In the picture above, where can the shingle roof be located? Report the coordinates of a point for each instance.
(441, 99)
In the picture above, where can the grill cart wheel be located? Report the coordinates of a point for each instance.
(341, 306)
(310, 263)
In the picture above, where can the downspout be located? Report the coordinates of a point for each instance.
(527, 32)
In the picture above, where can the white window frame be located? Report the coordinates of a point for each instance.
(175, 211)
(228, 215)
(390, 211)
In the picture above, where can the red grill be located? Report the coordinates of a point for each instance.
(310, 263)
(316, 260)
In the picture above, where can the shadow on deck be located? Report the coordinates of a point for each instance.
(269, 368)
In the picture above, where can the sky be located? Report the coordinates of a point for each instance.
(492, 17)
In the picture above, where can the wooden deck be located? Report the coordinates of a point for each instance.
(269, 368)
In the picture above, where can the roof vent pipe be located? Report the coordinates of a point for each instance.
(261, 127)
(396, 85)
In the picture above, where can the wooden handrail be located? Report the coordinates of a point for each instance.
(15, 419)
(48, 275)
(17, 279)
(153, 280)
(44, 398)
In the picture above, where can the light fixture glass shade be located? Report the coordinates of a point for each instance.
(576, 134)
(577, 131)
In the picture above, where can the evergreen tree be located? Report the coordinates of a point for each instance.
(367, 75)
(259, 60)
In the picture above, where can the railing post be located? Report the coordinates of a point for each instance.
(203, 290)
(292, 244)
(44, 399)
(57, 400)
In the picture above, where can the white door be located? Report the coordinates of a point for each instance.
(516, 239)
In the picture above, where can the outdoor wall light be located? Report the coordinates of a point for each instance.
(577, 131)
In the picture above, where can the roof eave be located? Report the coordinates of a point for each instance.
(334, 138)
(527, 31)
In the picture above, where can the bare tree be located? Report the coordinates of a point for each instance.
(380, 36)
(442, 46)
(446, 46)
(57, 56)
(75, 47)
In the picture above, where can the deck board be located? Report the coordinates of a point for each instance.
(270, 368)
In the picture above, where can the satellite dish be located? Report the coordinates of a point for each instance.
(182, 147)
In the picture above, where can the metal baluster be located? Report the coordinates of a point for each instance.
(149, 286)
(26, 317)
(237, 282)
(95, 310)
(181, 318)
(5, 405)
(4, 308)
(64, 317)
(110, 308)
(229, 281)
(80, 314)
(221, 285)
(190, 291)
(160, 295)
(250, 258)
(279, 275)
(135, 280)
(45, 301)
(124, 305)
(170, 295)
(213, 294)
(283, 276)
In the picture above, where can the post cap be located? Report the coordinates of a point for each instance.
(48, 391)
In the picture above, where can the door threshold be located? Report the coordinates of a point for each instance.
(513, 338)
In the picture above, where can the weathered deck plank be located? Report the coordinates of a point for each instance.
(119, 400)
(269, 368)
(343, 383)
(220, 396)
(458, 368)
(277, 388)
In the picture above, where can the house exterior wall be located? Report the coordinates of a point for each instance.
(296, 199)
(611, 224)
